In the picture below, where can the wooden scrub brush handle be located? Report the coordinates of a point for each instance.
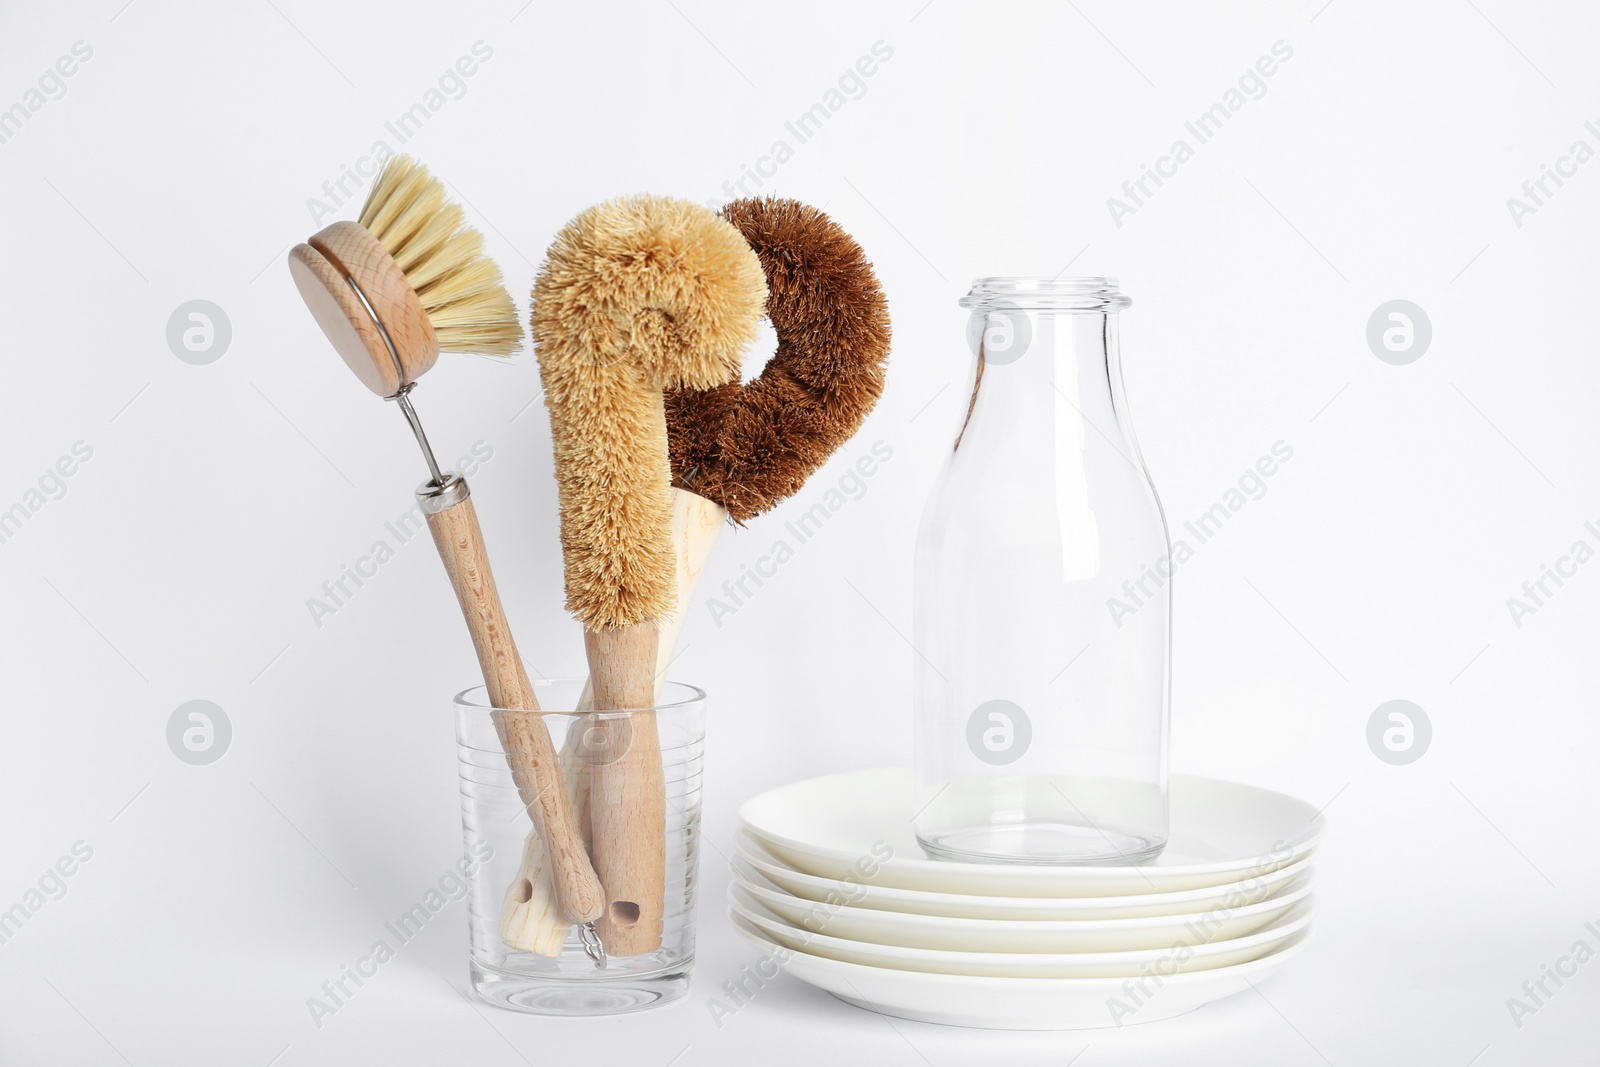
(627, 788)
(526, 921)
(529, 751)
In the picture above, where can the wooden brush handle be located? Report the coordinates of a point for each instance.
(696, 522)
(529, 752)
(527, 920)
(627, 789)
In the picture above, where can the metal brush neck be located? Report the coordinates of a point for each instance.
(403, 399)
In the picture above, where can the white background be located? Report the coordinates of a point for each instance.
(178, 564)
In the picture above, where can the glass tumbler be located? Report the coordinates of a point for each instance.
(1043, 598)
(552, 973)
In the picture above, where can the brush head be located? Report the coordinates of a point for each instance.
(749, 446)
(636, 295)
(411, 277)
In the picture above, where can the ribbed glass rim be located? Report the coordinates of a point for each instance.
(475, 699)
(1078, 293)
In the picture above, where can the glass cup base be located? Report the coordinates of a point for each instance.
(502, 850)
(565, 995)
(1042, 844)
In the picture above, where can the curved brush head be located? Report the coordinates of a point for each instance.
(749, 446)
(636, 295)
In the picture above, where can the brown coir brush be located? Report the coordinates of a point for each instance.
(749, 446)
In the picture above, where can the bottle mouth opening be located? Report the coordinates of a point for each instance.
(1080, 293)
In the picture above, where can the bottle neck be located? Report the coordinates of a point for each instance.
(1048, 377)
(1050, 339)
(1064, 363)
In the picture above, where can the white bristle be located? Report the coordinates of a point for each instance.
(460, 288)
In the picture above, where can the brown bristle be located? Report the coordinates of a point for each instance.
(442, 258)
(749, 446)
(636, 295)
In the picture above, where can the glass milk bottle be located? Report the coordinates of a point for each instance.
(1043, 598)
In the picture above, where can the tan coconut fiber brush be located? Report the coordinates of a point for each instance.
(636, 296)
(391, 292)
(740, 449)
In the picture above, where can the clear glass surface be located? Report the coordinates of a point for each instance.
(495, 826)
(1043, 598)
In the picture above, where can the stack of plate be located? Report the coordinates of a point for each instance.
(830, 882)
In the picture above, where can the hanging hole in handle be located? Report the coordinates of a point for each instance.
(624, 913)
(524, 891)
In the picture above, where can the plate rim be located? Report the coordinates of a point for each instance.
(1306, 909)
(1291, 947)
(1307, 877)
(1303, 843)
(1287, 872)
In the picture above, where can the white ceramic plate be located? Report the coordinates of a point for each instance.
(1018, 935)
(1183, 956)
(858, 825)
(1022, 1003)
(972, 906)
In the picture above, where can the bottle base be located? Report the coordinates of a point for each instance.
(1043, 844)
